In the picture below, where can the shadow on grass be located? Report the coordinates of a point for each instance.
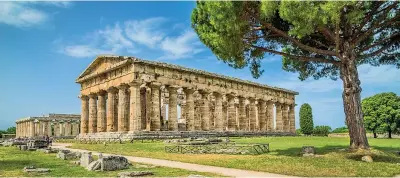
(379, 154)
(11, 165)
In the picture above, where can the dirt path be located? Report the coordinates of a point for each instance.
(188, 166)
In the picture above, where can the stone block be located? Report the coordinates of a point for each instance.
(111, 163)
(33, 169)
(308, 150)
(95, 165)
(367, 159)
(24, 147)
(86, 159)
(135, 174)
(67, 155)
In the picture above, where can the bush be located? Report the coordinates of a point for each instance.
(341, 130)
(298, 132)
(306, 119)
(322, 130)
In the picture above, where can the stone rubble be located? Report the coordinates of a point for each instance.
(135, 174)
(367, 159)
(86, 159)
(33, 169)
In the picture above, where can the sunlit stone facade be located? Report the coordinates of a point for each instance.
(52, 125)
(126, 95)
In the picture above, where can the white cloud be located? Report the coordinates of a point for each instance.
(133, 33)
(83, 51)
(106, 41)
(146, 32)
(182, 46)
(21, 15)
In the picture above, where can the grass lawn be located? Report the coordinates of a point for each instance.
(12, 161)
(284, 158)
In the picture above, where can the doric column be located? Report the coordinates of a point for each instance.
(253, 114)
(67, 128)
(205, 110)
(45, 127)
(292, 119)
(122, 99)
(155, 107)
(101, 112)
(242, 114)
(149, 106)
(172, 108)
(262, 116)
(61, 128)
(110, 114)
(92, 113)
(40, 130)
(231, 113)
(32, 129)
(285, 117)
(75, 129)
(49, 130)
(270, 116)
(135, 120)
(279, 117)
(189, 109)
(84, 114)
(57, 129)
(219, 120)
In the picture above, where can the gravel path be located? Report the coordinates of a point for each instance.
(188, 166)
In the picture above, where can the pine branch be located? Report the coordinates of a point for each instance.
(301, 58)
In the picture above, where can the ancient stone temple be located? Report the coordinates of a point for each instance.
(52, 125)
(128, 95)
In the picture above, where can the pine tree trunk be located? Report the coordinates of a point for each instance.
(352, 102)
(390, 133)
(375, 135)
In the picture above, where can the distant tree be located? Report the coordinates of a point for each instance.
(382, 112)
(11, 130)
(298, 132)
(341, 130)
(306, 119)
(1, 133)
(315, 38)
(322, 130)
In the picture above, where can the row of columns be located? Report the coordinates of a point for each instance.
(119, 109)
(33, 128)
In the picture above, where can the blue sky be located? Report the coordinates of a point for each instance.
(45, 46)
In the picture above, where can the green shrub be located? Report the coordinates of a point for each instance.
(306, 119)
(298, 132)
(341, 130)
(322, 130)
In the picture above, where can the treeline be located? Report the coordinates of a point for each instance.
(10, 130)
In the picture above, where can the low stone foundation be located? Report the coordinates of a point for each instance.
(118, 136)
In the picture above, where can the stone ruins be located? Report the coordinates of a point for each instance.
(52, 125)
(122, 94)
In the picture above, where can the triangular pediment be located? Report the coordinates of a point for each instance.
(101, 64)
